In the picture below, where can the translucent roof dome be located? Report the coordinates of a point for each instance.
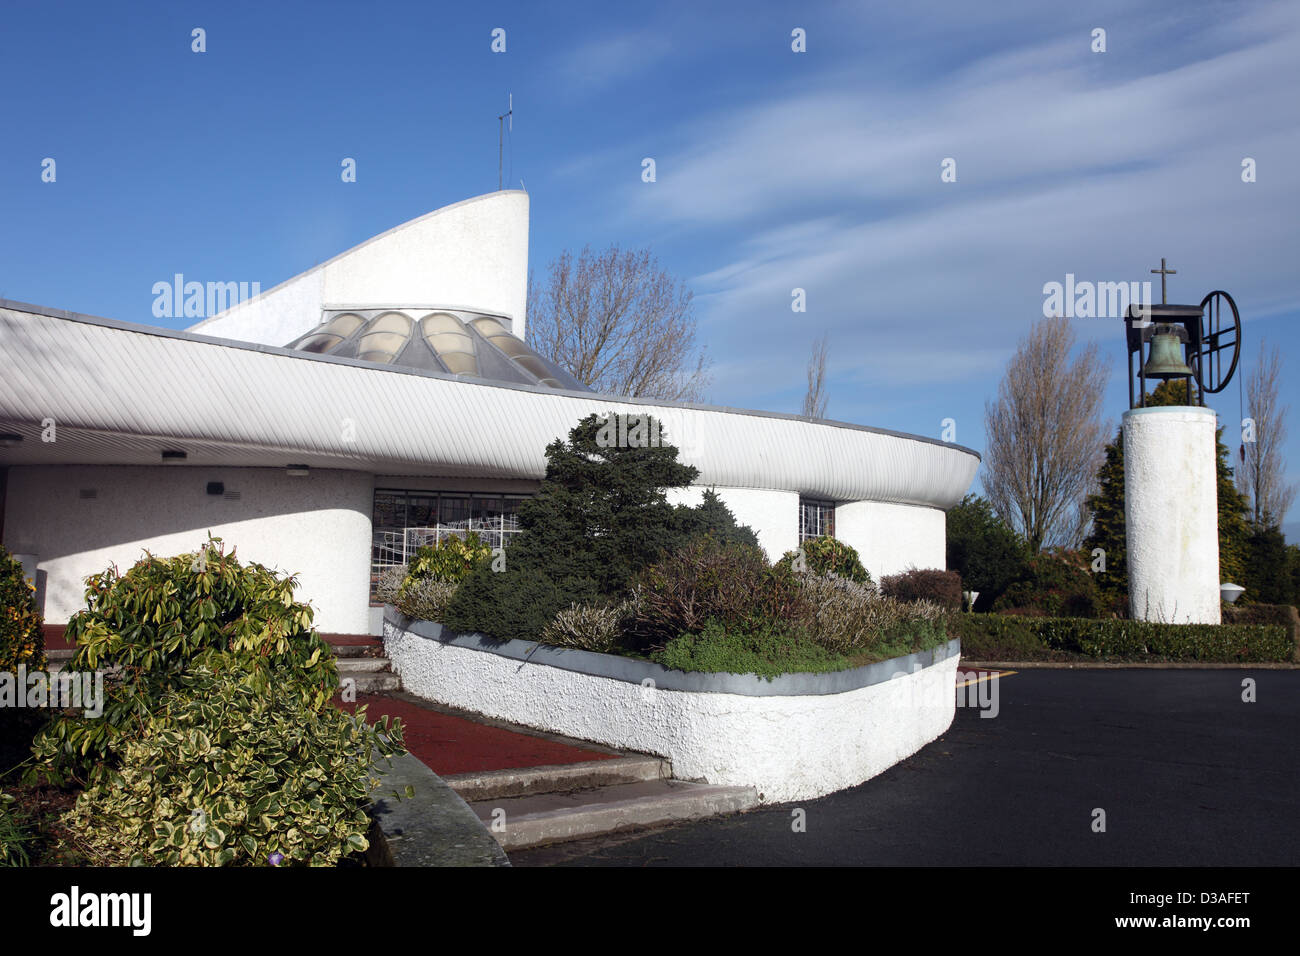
(471, 344)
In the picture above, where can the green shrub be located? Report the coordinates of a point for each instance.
(987, 553)
(715, 519)
(1054, 584)
(1284, 615)
(924, 584)
(15, 834)
(828, 555)
(162, 618)
(229, 771)
(451, 559)
(707, 579)
(1000, 637)
(512, 604)
(601, 517)
(851, 618)
(765, 648)
(426, 599)
(589, 627)
(22, 638)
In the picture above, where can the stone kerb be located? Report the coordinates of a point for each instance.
(794, 737)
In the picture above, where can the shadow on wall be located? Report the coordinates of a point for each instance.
(78, 520)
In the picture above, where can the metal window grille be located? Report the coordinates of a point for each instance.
(404, 522)
(816, 518)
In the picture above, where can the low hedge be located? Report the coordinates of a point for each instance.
(1011, 637)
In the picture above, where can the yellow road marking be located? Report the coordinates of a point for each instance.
(988, 675)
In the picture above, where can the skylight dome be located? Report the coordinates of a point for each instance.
(469, 344)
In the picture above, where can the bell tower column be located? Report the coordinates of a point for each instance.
(1171, 514)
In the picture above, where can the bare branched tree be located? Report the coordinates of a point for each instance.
(1045, 436)
(1262, 475)
(619, 323)
(814, 402)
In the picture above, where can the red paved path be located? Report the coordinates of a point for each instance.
(448, 744)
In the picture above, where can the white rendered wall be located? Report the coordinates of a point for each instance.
(473, 254)
(1171, 514)
(316, 526)
(774, 515)
(890, 538)
(786, 747)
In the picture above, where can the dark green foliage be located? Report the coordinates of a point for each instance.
(600, 517)
(1055, 584)
(1003, 637)
(512, 604)
(16, 833)
(162, 618)
(925, 584)
(1268, 577)
(1293, 570)
(765, 648)
(1108, 523)
(705, 579)
(22, 638)
(828, 555)
(713, 518)
(228, 771)
(984, 550)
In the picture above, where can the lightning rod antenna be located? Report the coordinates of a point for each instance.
(501, 125)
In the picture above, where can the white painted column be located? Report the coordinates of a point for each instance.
(1171, 514)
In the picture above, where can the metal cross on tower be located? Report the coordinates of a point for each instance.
(1163, 272)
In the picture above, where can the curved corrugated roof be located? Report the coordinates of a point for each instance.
(140, 389)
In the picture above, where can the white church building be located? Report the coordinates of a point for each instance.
(380, 400)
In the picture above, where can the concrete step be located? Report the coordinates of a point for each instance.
(519, 822)
(371, 683)
(357, 665)
(357, 650)
(558, 778)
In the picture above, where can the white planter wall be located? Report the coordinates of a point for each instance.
(316, 526)
(788, 739)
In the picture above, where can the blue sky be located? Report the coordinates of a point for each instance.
(775, 170)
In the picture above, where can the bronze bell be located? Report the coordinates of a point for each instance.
(1166, 358)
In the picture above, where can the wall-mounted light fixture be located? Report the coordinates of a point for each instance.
(173, 457)
(10, 440)
(297, 471)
